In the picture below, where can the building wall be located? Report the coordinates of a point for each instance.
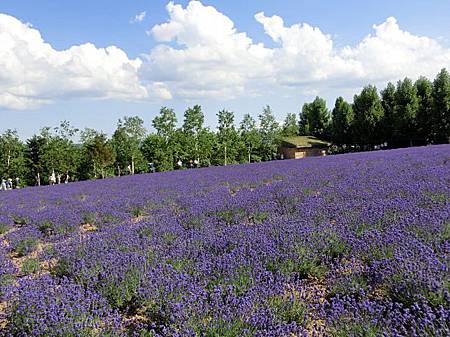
(293, 153)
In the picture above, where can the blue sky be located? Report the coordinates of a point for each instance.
(295, 62)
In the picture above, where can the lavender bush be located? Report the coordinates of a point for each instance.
(348, 245)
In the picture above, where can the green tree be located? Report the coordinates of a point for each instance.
(155, 151)
(159, 148)
(165, 124)
(206, 140)
(269, 132)
(388, 101)
(35, 148)
(250, 137)
(290, 126)
(314, 119)
(12, 155)
(406, 106)
(368, 114)
(126, 141)
(98, 151)
(60, 154)
(440, 130)
(424, 88)
(227, 137)
(192, 127)
(342, 119)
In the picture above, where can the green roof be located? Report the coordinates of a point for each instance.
(303, 141)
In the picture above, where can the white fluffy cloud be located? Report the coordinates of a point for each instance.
(139, 17)
(212, 59)
(32, 73)
(200, 54)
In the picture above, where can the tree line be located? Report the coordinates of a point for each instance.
(403, 114)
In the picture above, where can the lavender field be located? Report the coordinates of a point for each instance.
(346, 245)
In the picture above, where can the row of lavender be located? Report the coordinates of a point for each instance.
(349, 245)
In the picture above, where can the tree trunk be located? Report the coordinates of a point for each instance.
(132, 165)
(118, 170)
(225, 155)
(249, 153)
(103, 174)
(38, 179)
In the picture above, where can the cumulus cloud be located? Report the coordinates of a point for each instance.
(201, 54)
(32, 73)
(214, 59)
(139, 17)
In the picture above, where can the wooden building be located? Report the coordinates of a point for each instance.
(302, 146)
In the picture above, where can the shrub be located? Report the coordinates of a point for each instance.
(122, 293)
(89, 218)
(26, 246)
(47, 228)
(288, 309)
(30, 266)
(4, 228)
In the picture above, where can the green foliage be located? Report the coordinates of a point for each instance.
(445, 234)
(440, 120)
(269, 132)
(165, 123)
(12, 155)
(388, 101)
(4, 228)
(99, 153)
(35, 159)
(350, 285)
(314, 119)
(405, 112)
(354, 329)
(26, 246)
(228, 144)
(169, 237)
(437, 297)
(30, 266)
(192, 128)
(251, 138)
(156, 150)
(58, 153)
(47, 228)
(221, 328)
(305, 265)
(146, 232)
(342, 118)
(137, 211)
(289, 309)
(290, 126)
(61, 268)
(335, 246)
(424, 89)
(5, 280)
(368, 116)
(122, 292)
(89, 218)
(126, 142)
